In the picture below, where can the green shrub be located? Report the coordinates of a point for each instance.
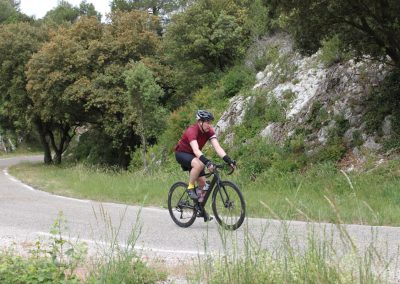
(331, 152)
(259, 113)
(53, 262)
(235, 80)
(269, 56)
(97, 148)
(382, 102)
(332, 51)
(256, 156)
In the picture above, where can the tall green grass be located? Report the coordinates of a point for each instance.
(63, 260)
(326, 253)
(368, 197)
(317, 260)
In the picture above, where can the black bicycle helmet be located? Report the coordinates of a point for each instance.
(204, 115)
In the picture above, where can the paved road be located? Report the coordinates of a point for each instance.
(26, 214)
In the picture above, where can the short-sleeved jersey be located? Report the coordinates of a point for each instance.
(194, 133)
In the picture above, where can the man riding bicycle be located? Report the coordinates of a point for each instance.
(188, 154)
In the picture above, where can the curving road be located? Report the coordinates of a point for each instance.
(27, 214)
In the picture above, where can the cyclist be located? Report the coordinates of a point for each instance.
(188, 154)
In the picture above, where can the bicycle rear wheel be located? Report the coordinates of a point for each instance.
(228, 205)
(180, 206)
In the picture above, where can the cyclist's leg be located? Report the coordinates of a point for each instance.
(201, 181)
(197, 167)
(194, 166)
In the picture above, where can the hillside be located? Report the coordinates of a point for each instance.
(328, 110)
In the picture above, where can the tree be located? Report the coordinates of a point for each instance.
(18, 42)
(77, 79)
(156, 6)
(67, 13)
(367, 26)
(88, 9)
(144, 95)
(63, 13)
(204, 40)
(59, 84)
(9, 11)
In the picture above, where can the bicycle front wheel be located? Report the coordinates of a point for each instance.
(180, 206)
(228, 205)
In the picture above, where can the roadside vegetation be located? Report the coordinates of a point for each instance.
(107, 101)
(63, 259)
(320, 259)
(367, 197)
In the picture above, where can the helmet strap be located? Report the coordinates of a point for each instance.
(201, 126)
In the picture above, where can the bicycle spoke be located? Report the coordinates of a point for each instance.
(180, 206)
(229, 206)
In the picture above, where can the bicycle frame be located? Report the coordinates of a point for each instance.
(215, 182)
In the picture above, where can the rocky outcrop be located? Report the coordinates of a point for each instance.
(319, 97)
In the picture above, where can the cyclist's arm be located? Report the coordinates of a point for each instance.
(220, 152)
(195, 147)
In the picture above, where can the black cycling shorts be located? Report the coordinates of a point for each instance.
(185, 160)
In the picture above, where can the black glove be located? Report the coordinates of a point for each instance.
(204, 160)
(229, 161)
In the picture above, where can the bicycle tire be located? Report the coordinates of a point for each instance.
(180, 206)
(228, 205)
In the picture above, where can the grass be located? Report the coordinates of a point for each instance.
(318, 261)
(322, 193)
(62, 260)
(369, 197)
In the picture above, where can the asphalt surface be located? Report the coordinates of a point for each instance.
(27, 214)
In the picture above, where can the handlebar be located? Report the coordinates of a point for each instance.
(220, 167)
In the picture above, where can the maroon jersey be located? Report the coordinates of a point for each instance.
(194, 133)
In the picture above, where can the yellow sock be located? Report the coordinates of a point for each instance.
(190, 186)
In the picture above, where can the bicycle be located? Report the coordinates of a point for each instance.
(228, 204)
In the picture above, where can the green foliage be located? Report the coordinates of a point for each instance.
(257, 20)
(144, 97)
(63, 13)
(177, 122)
(120, 263)
(55, 262)
(382, 102)
(332, 51)
(365, 26)
(335, 148)
(144, 101)
(269, 56)
(252, 165)
(97, 148)
(17, 43)
(282, 67)
(6, 11)
(261, 111)
(235, 80)
(156, 6)
(206, 38)
(89, 10)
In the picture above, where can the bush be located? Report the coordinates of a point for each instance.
(252, 164)
(269, 56)
(332, 51)
(97, 148)
(257, 116)
(382, 102)
(235, 80)
(331, 152)
(55, 262)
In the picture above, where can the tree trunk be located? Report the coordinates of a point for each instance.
(57, 157)
(65, 138)
(44, 142)
(144, 150)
